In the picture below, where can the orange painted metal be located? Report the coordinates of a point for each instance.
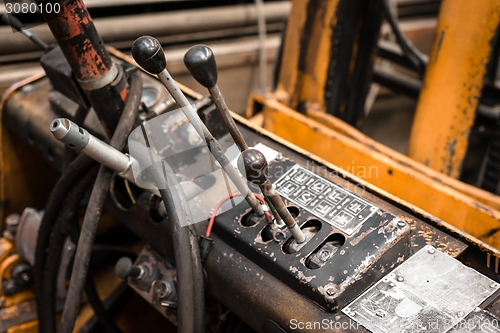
(453, 83)
(303, 81)
(77, 36)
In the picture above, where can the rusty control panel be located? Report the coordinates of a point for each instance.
(351, 244)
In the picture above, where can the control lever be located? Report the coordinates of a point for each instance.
(200, 62)
(148, 53)
(254, 164)
(14, 22)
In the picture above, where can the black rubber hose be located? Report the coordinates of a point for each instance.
(190, 299)
(94, 209)
(58, 236)
(411, 52)
(183, 262)
(66, 222)
(98, 307)
(114, 252)
(74, 173)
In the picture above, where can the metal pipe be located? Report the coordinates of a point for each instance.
(77, 36)
(453, 82)
(91, 63)
(162, 24)
(82, 141)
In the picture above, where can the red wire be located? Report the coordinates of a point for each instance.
(220, 203)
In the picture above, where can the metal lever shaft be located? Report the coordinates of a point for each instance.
(254, 164)
(200, 62)
(148, 53)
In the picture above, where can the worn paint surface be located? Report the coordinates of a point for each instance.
(407, 164)
(400, 180)
(79, 40)
(304, 70)
(453, 82)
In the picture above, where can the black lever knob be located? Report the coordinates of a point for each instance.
(13, 22)
(200, 61)
(148, 53)
(125, 268)
(253, 164)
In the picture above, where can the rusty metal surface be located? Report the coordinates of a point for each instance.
(398, 179)
(307, 46)
(373, 247)
(452, 84)
(482, 250)
(81, 44)
(406, 163)
(328, 51)
(430, 292)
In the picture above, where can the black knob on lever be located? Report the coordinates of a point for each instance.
(125, 268)
(200, 62)
(253, 165)
(148, 53)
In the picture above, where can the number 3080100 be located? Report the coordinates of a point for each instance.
(30, 8)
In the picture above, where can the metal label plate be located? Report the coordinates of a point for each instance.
(324, 199)
(431, 292)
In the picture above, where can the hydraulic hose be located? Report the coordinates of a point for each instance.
(68, 180)
(58, 236)
(66, 222)
(411, 52)
(188, 293)
(94, 209)
(190, 286)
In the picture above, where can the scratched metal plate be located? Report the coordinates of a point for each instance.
(324, 199)
(430, 293)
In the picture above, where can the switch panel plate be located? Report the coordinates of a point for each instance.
(376, 243)
(431, 292)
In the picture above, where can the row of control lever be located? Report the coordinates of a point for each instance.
(200, 61)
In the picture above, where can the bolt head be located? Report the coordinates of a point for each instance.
(324, 254)
(431, 251)
(401, 224)
(331, 291)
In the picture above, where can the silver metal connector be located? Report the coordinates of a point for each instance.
(80, 140)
